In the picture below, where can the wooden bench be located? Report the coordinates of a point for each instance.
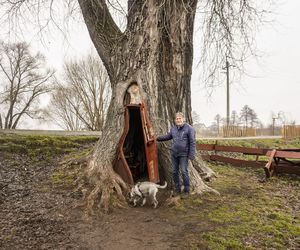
(282, 161)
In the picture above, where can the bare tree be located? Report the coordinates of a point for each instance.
(234, 118)
(218, 119)
(62, 108)
(156, 52)
(196, 117)
(228, 33)
(24, 79)
(81, 101)
(282, 117)
(254, 121)
(248, 116)
(245, 115)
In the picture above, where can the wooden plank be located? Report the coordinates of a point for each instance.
(244, 150)
(273, 165)
(269, 166)
(290, 131)
(287, 154)
(236, 162)
(287, 169)
(290, 149)
(206, 147)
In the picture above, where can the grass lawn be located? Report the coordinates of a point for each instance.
(249, 214)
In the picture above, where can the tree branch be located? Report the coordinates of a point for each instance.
(104, 32)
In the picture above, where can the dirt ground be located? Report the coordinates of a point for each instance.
(36, 214)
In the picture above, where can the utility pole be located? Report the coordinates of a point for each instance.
(227, 96)
(227, 92)
(274, 119)
(273, 125)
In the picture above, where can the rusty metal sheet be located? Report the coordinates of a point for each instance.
(150, 145)
(120, 165)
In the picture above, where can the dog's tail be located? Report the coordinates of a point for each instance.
(163, 186)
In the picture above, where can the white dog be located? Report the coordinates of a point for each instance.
(144, 190)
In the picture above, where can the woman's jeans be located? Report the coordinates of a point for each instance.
(180, 163)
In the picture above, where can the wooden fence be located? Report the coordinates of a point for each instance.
(291, 131)
(280, 161)
(237, 131)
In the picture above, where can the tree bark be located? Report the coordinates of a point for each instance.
(156, 52)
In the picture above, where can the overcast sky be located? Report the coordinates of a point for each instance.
(275, 82)
(274, 85)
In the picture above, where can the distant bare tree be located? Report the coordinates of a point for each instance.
(218, 120)
(245, 115)
(253, 119)
(81, 102)
(195, 117)
(24, 79)
(234, 118)
(61, 109)
(282, 118)
(248, 116)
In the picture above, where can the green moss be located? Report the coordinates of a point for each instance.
(38, 146)
(63, 178)
(113, 200)
(76, 156)
(10, 147)
(243, 219)
(43, 148)
(196, 201)
(181, 208)
(217, 242)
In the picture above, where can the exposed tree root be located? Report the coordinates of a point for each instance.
(205, 172)
(107, 192)
(197, 184)
(173, 201)
(101, 188)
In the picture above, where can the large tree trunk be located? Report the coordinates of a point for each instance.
(156, 52)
